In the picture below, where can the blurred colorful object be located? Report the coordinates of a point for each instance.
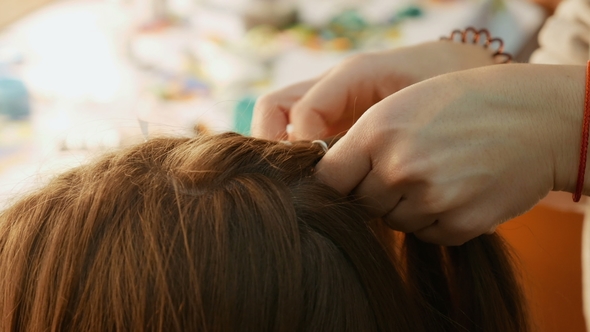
(183, 88)
(346, 30)
(243, 115)
(14, 99)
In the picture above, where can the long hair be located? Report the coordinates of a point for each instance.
(230, 233)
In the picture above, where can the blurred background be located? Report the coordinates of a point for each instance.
(79, 77)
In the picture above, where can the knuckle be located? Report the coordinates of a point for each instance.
(301, 108)
(435, 202)
(265, 103)
(402, 170)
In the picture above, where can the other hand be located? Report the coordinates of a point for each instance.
(452, 157)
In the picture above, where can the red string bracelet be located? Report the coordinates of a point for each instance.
(481, 37)
(584, 146)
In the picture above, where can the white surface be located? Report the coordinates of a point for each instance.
(516, 25)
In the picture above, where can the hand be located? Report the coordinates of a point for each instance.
(452, 157)
(330, 104)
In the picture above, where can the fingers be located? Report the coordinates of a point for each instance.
(347, 170)
(409, 217)
(270, 119)
(271, 112)
(320, 108)
(408, 207)
(456, 228)
(308, 124)
(411, 208)
(401, 207)
(346, 164)
(429, 215)
(323, 107)
(334, 103)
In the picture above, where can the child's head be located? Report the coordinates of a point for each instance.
(229, 233)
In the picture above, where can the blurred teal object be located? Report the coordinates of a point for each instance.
(411, 11)
(348, 24)
(349, 20)
(14, 99)
(243, 115)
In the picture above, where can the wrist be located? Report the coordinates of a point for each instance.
(549, 100)
(566, 97)
(417, 63)
(462, 50)
(463, 56)
(443, 57)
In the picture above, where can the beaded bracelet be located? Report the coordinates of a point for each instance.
(481, 37)
(584, 144)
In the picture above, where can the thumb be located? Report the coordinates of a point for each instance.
(345, 165)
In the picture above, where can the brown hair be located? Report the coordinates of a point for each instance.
(230, 233)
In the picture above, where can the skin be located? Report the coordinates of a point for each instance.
(453, 157)
(331, 103)
(447, 158)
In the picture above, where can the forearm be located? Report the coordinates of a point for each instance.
(565, 95)
(427, 60)
(554, 94)
(550, 99)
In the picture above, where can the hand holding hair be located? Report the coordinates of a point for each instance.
(453, 157)
(330, 104)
